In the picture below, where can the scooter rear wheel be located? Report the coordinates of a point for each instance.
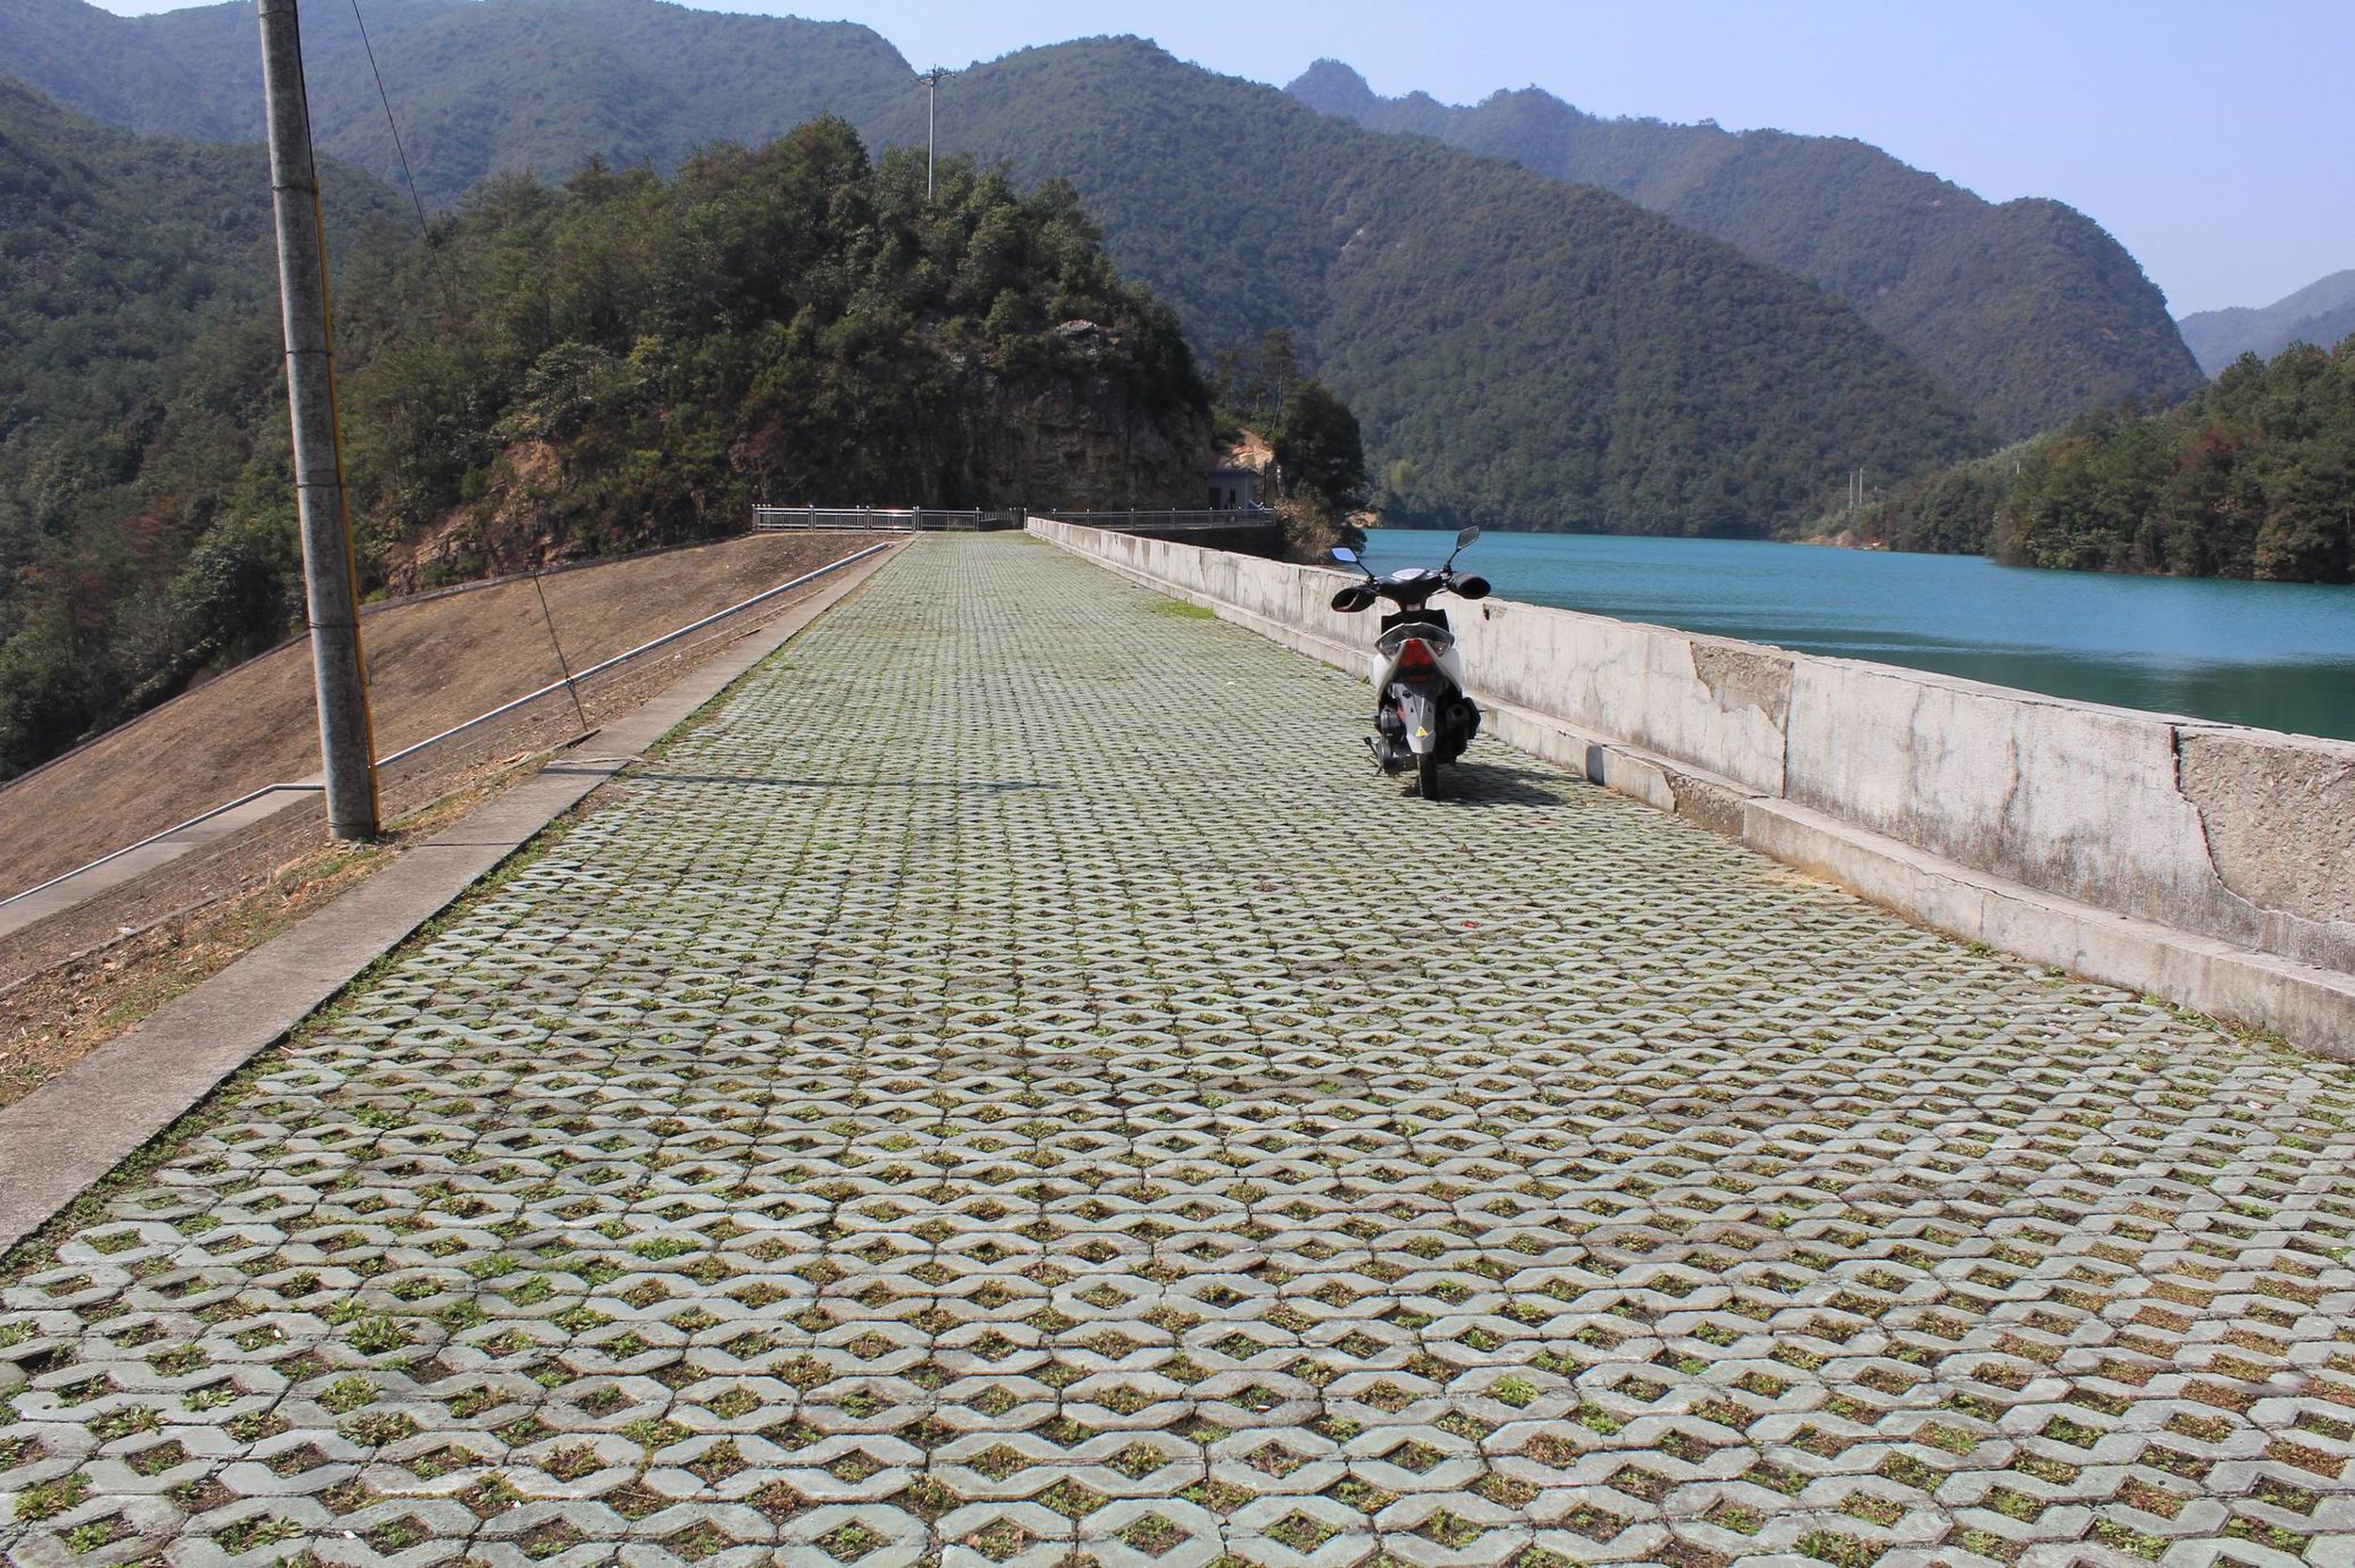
(1427, 776)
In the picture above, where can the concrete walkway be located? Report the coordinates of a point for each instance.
(1017, 1086)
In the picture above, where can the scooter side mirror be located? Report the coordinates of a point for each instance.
(1466, 537)
(1343, 554)
(1472, 588)
(1349, 601)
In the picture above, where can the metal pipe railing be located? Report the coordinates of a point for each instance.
(553, 686)
(456, 729)
(156, 838)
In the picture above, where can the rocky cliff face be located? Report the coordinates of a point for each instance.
(1075, 419)
(1089, 439)
(1083, 431)
(516, 527)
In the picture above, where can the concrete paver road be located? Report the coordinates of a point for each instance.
(1015, 1085)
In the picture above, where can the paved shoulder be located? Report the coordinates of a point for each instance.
(1016, 1085)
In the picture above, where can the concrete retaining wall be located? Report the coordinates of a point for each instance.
(2210, 864)
(1244, 538)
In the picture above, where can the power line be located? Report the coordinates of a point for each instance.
(424, 232)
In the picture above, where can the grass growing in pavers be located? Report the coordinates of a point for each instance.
(1010, 1080)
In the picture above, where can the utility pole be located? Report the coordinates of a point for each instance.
(331, 583)
(932, 80)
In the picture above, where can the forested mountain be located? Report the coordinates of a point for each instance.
(513, 86)
(1519, 353)
(2028, 311)
(104, 65)
(2253, 478)
(139, 405)
(635, 359)
(2322, 314)
(620, 362)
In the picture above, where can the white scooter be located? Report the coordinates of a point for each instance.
(1421, 717)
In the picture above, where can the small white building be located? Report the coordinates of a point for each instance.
(1240, 475)
(1234, 488)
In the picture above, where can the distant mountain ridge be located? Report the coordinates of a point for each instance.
(2028, 310)
(512, 85)
(2321, 313)
(1521, 354)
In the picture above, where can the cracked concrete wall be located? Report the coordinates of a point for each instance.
(2278, 815)
(2238, 834)
(2071, 799)
(1737, 674)
(2249, 836)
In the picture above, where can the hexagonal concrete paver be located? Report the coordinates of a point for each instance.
(1014, 1086)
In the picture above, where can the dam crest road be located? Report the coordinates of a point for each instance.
(937, 1110)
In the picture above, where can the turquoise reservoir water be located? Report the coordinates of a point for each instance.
(2277, 654)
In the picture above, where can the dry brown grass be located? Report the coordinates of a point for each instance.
(434, 660)
(70, 983)
(53, 1018)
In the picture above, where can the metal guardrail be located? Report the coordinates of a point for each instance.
(406, 752)
(198, 821)
(555, 687)
(882, 518)
(1243, 517)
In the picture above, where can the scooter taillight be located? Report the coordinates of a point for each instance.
(1415, 660)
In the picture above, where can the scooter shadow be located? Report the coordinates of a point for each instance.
(1483, 784)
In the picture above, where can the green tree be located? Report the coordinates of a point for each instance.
(621, 360)
(1278, 370)
(1318, 448)
(2253, 478)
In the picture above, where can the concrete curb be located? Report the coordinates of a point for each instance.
(70, 1133)
(2312, 1007)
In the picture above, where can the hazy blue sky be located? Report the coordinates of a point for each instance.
(2210, 137)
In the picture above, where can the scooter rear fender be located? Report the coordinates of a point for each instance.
(1418, 708)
